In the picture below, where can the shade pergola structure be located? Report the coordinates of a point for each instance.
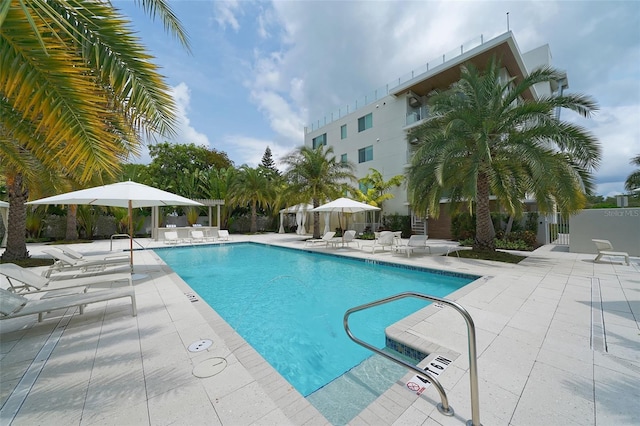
(155, 214)
(211, 203)
(4, 213)
(122, 194)
(300, 210)
(343, 206)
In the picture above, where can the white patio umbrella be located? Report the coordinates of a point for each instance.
(122, 194)
(345, 205)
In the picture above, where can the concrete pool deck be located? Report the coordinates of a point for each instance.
(558, 344)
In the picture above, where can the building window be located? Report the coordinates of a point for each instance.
(319, 140)
(343, 158)
(365, 122)
(365, 154)
(343, 131)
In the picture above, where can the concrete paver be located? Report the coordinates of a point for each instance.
(534, 334)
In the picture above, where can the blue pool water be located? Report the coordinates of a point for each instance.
(289, 304)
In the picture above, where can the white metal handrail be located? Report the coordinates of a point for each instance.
(443, 407)
(122, 236)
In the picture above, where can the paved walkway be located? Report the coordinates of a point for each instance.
(558, 344)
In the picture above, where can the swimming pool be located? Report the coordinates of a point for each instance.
(288, 304)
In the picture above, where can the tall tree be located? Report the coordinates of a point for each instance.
(76, 90)
(171, 161)
(487, 136)
(316, 175)
(633, 180)
(268, 163)
(250, 186)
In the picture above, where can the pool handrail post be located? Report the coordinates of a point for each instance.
(443, 407)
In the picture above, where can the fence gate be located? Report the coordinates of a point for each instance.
(557, 229)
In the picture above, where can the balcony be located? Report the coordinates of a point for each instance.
(415, 115)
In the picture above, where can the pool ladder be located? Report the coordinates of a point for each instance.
(443, 406)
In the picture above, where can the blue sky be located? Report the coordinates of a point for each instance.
(260, 71)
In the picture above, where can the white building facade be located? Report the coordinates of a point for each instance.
(372, 133)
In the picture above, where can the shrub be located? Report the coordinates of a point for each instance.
(396, 222)
(512, 245)
(463, 226)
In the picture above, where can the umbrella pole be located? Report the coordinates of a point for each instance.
(131, 234)
(342, 225)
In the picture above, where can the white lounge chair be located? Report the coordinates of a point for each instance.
(326, 239)
(197, 236)
(77, 255)
(14, 305)
(63, 262)
(606, 249)
(416, 242)
(386, 239)
(22, 279)
(171, 237)
(347, 238)
(223, 235)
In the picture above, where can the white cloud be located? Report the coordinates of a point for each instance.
(266, 20)
(185, 133)
(249, 150)
(225, 14)
(618, 131)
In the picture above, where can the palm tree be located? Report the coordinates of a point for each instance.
(377, 190)
(633, 180)
(251, 186)
(316, 175)
(76, 91)
(485, 138)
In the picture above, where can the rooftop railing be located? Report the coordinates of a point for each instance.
(381, 92)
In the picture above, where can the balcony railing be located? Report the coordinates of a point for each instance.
(415, 115)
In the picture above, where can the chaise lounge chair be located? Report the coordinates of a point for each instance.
(416, 242)
(197, 236)
(223, 235)
(347, 238)
(606, 249)
(21, 279)
(77, 255)
(14, 305)
(171, 237)
(326, 239)
(63, 262)
(386, 239)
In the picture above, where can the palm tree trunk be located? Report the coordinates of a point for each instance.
(316, 219)
(72, 223)
(509, 226)
(254, 218)
(16, 230)
(484, 227)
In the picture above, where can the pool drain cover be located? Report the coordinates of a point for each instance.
(200, 345)
(210, 367)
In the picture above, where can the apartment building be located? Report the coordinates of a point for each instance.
(371, 133)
